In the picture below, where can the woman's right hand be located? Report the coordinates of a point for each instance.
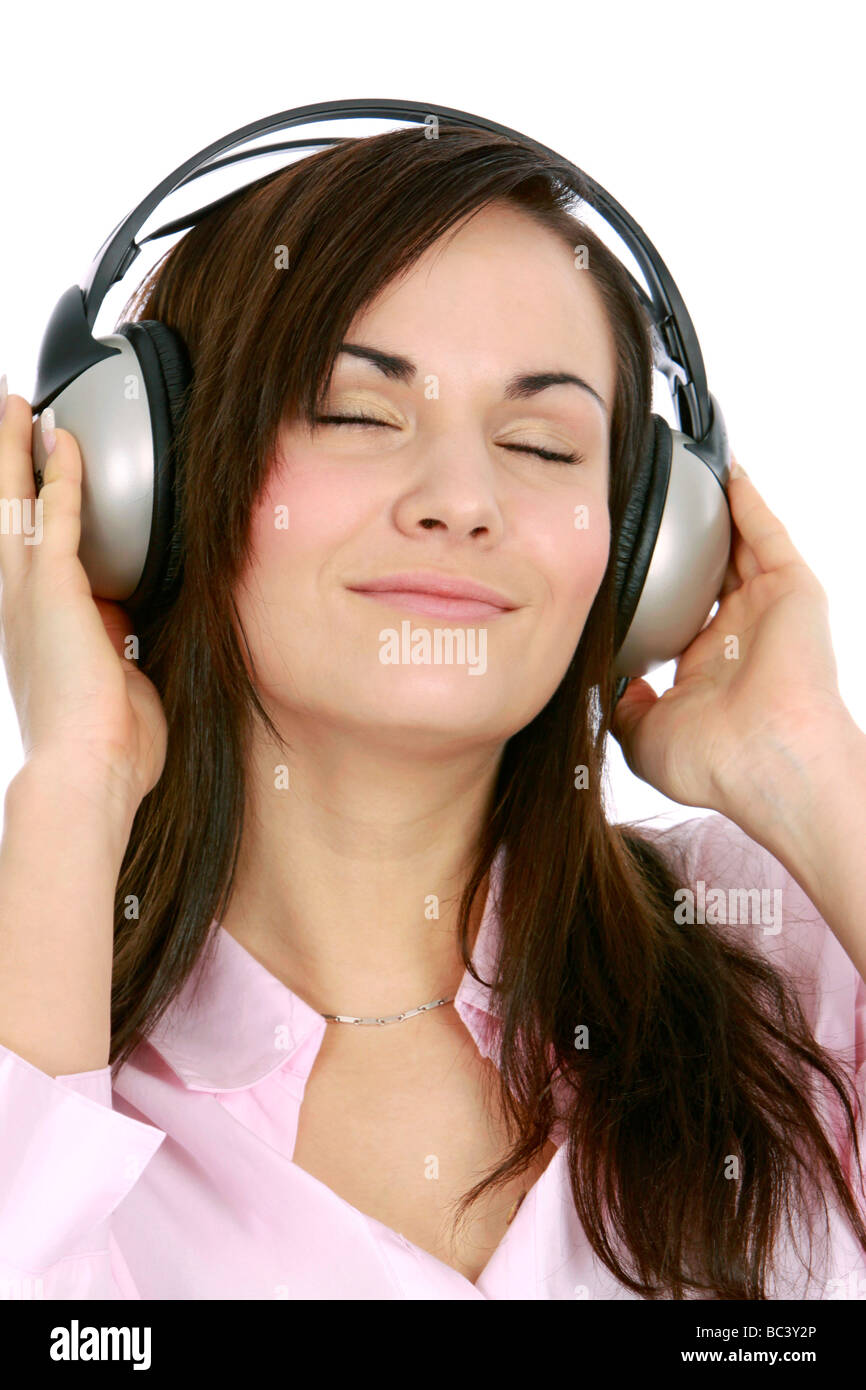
(83, 706)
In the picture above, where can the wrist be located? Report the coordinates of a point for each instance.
(791, 794)
(82, 788)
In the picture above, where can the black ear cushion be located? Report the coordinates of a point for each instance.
(167, 373)
(640, 524)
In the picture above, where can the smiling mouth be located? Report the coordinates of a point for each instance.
(435, 605)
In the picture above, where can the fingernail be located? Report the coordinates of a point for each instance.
(46, 422)
(736, 470)
(4, 395)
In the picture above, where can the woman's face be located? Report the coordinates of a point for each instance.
(439, 486)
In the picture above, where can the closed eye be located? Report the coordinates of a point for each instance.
(546, 454)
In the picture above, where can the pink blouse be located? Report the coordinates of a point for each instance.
(177, 1182)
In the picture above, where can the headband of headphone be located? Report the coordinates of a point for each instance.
(673, 546)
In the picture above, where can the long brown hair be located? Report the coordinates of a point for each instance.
(699, 1048)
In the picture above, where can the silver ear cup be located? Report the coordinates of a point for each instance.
(106, 409)
(687, 567)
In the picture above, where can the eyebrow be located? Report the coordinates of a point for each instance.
(519, 387)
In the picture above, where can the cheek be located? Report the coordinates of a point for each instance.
(292, 534)
(299, 522)
(301, 527)
(569, 544)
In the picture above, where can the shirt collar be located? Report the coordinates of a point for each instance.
(233, 1022)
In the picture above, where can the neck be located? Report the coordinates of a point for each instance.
(342, 872)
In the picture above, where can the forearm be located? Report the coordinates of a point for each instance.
(60, 857)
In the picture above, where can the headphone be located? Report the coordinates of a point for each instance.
(673, 546)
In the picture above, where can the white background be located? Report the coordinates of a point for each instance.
(732, 133)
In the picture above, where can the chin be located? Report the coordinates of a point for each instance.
(433, 715)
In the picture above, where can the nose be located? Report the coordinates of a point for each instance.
(454, 490)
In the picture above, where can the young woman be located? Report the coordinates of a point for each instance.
(258, 824)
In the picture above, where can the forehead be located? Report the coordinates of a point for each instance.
(499, 292)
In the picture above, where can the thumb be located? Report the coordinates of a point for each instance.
(637, 698)
(117, 623)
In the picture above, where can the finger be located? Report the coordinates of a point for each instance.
(731, 581)
(17, 490)
(61, 499)
(733, 578)
(742, 564)
(743, 559)
(761, 529)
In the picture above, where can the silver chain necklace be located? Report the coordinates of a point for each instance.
(392, 1018)
(398, 1018)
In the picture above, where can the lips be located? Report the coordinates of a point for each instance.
(436, 594)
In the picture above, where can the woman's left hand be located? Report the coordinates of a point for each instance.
(757, 688)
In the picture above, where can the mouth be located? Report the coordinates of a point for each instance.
(435, 605)
(438, 595)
